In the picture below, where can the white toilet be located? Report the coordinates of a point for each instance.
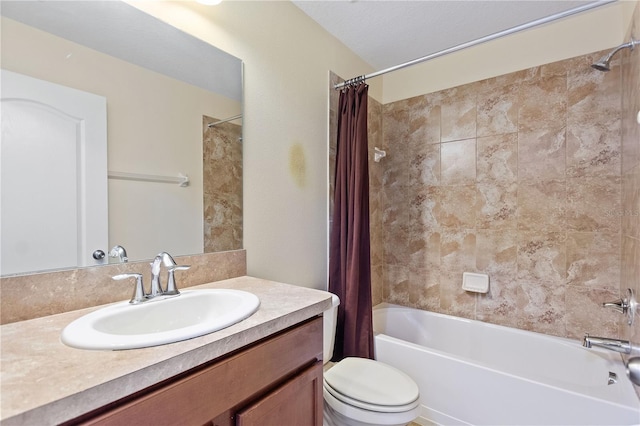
(364, 392)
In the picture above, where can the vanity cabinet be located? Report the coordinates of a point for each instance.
(276, 381)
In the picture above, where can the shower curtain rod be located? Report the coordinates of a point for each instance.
(478, 41)
(215, 123)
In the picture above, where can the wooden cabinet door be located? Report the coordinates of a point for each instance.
(298, 402)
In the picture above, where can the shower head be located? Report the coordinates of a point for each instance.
(603, 63)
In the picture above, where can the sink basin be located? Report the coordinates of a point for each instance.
(191, 314)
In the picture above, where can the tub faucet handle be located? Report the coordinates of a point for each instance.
(626, 305)
(620, 305)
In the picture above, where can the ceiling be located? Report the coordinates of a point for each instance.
(389, 32)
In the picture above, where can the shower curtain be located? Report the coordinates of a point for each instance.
(349, 261)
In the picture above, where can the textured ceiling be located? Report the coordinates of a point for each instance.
(386, 33)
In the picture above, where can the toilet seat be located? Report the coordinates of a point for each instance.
(371, 385)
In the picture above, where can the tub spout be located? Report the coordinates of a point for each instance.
(622, 346)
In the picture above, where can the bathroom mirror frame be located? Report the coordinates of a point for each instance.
(125, 33)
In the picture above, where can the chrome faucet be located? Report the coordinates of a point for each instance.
(156, 285)
(139, 294)
(622, 346)
(120, 253)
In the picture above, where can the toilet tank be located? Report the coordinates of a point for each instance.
(329, 318)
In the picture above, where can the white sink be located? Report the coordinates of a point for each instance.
(191, 314)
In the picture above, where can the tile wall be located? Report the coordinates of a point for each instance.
(518, 177)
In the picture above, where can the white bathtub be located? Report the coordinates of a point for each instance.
(470, 372)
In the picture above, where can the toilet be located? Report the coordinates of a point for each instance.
(364, 392)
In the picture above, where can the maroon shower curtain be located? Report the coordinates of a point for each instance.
(349, 261)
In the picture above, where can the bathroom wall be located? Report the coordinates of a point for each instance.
(287, 57)
(630, 208)
(518, 177)
(222, 185)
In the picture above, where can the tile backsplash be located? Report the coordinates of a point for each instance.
(36, 295)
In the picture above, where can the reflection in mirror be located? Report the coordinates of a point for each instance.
(162, 89)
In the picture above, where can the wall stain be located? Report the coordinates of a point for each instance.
(297, 165)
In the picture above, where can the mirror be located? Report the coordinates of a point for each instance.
(162, 88)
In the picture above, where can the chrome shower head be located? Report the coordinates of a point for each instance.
(603, 63)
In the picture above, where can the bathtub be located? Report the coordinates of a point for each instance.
(475, 373)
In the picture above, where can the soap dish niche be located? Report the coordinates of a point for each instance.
(476, 283)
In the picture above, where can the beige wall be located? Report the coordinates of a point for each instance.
(159, 134)
(287, 60)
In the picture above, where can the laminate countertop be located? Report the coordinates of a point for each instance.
(43, 381)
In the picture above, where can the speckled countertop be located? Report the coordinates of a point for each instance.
(43, 381)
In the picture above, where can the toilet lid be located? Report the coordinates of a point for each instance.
(371, 382)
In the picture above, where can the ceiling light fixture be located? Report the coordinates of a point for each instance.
(210, 2)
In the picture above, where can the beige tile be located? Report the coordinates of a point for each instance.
(424, 121)
(497, 158)
(424, 289)
(630, 278)
(593, 123)
(593, 260)
(543, 104)
(395, 222)
(630, 212)
(496, 256)
(541, 307)
(424, 248)
(496, 206)
(498, 111)
(542, 205)
(542, 257)
(457, 206)
(630, 270)
(397, 279)
(593, 204)
(425, 165)
(458, 117)
(630, 107)
(542, 154)
(496, 253)
(458, 251)
(458, 162)
(424, 207)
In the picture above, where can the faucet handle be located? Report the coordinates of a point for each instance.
(172, 289)
(620, 305)
(138, 292)
(626, 306)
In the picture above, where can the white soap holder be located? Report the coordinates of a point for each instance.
(477, 283)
